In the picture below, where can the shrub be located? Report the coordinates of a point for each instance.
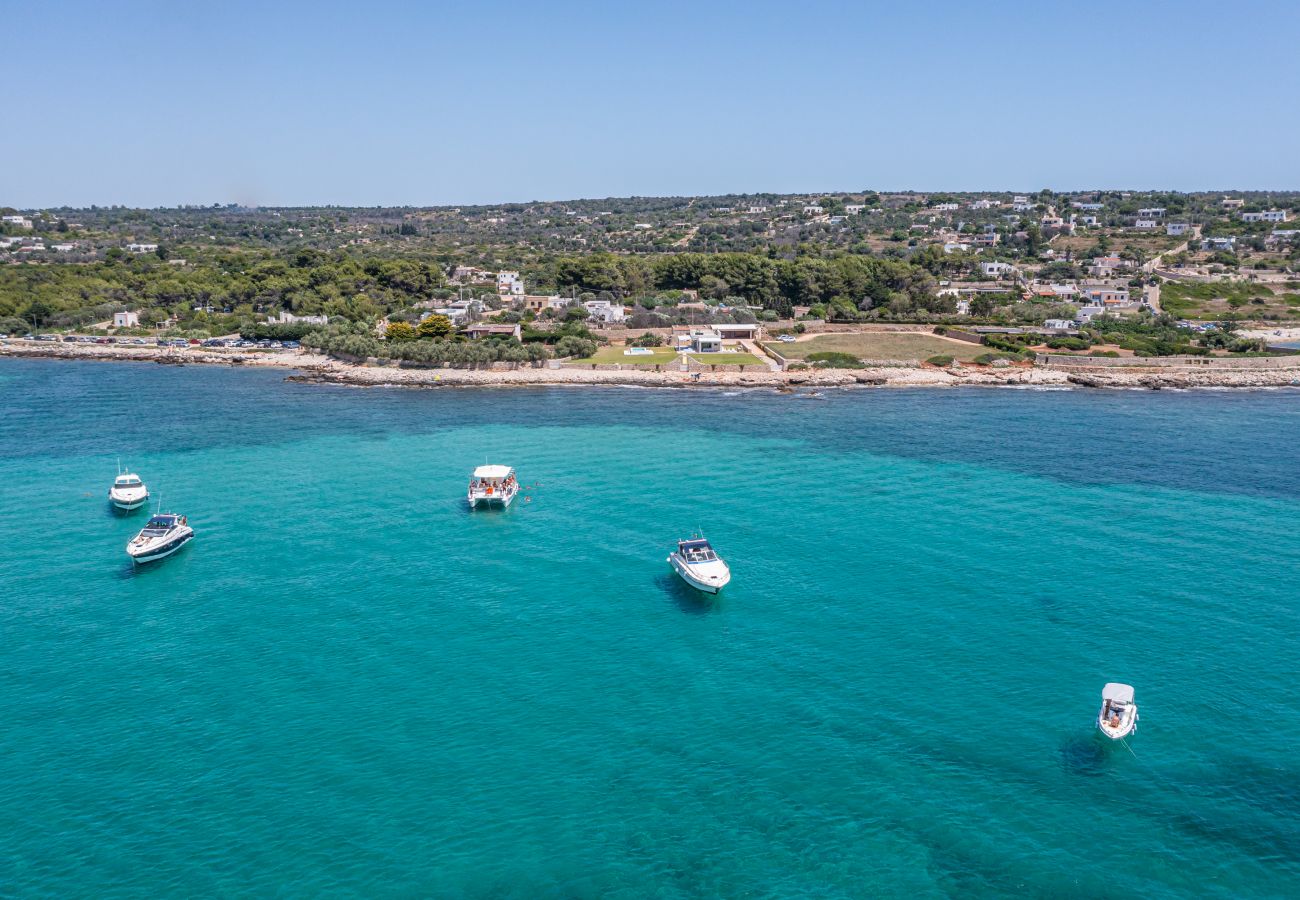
(1112, 354)
(830, 359)
(1068, 343)
(648, 340)
(576, 347)
(943, 360)
(986, 359)
(941, 329)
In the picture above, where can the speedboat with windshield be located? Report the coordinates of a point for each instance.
(162, 535)
(1119, 714)
(128, 492)
(492, 486)
(699, 565)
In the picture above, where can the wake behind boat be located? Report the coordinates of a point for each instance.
(492, 486)
(699, 565)
(128, 491)
(163, 535)
(1119, 714)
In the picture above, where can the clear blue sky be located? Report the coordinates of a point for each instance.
(387, 103)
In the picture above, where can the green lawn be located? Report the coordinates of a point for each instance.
(608, 356)
(885, 345)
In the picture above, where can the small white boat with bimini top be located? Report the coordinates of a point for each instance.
(1119, 714)
(162, 535)
(128, 491)
(699, 565)
(492, 486)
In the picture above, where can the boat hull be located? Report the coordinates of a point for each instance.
(161, 551)
(500, 501)
(685, 574)
(126, 504)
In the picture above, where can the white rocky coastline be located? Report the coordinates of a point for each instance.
(315, 368)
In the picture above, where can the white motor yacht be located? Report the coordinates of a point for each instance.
(162, 535)
(1119, 714)
(128, 492)
(699, 565)
(492, 486)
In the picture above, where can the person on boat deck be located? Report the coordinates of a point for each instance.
(1114, 720)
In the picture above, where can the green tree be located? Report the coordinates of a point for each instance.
(399, 331)
(436, 327)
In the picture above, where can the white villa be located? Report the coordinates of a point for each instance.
(509, 284)
(605, 312)
(126, 320)
(1268, 215)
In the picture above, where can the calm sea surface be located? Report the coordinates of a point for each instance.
(347, 684)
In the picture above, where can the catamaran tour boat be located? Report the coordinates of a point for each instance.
(492, 486)
(1119, 714)
(699, 566)
(128, 491)
(162, 535)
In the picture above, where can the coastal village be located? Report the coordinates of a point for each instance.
(966, 284)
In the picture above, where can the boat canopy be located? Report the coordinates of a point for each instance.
(694, 544)
(492, 471)
(1117, 693)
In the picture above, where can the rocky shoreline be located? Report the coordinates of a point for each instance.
(317, 369)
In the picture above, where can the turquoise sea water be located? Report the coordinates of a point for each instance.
(347, 684)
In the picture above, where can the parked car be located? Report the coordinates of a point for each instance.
(86, 340)
(69, 339)
(292, 345)
(194, 342)
(786, 339)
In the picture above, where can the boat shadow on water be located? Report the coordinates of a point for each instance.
(1088, 754)
(686, 598)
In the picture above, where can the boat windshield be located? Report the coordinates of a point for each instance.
(127, 482)
(160, 523)
(696, 551)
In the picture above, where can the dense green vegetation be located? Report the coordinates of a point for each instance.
(222, 294)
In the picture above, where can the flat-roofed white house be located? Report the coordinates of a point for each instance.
(1177, 229)
(126, 320)
(605, 312)
(812, 209)
(509, 284)
(1059, 324)
(141, 248)
(1146, 223)
(284, 317)
(994, 269)
(1268, 215)
(1219, 243)
(1105, 295)
(1152, 212)
(738, 331)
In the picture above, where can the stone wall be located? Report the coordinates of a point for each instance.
(1062, 361)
